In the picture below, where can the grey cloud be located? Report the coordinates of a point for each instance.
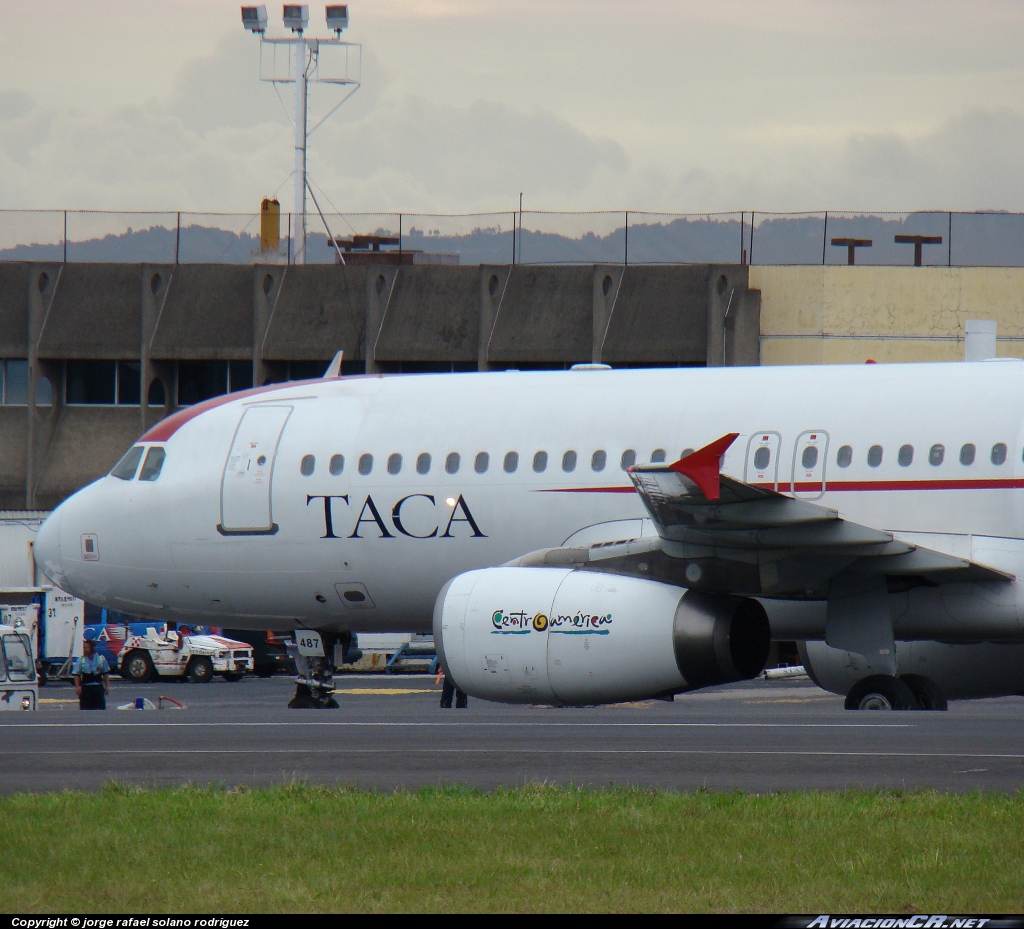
(15, 104)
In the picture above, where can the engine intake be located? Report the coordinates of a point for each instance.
(568, 637)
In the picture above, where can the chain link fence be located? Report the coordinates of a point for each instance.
(980, 239)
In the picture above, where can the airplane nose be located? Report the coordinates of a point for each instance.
(47, 549)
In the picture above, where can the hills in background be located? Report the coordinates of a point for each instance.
(984, 239)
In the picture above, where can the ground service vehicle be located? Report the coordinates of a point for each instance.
(194, 657)
(19, 688)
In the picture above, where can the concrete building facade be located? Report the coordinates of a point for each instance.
(93, 354)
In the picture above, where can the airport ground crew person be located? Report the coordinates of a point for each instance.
(448, 690)
(92, 678)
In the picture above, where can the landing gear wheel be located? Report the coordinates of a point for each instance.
(929, 694)
(200, 670)
(231, 676)
(881, 692)
(137, 667)
(304, 699)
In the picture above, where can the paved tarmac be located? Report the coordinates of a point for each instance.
(390, 733)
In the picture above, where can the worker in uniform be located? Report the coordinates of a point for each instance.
(92, 678)
(449, 690)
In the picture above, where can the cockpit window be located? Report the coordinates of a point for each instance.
(126, 467)
(152, 465)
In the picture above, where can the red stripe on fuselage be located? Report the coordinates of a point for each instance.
(1008, 483)
(164, 429)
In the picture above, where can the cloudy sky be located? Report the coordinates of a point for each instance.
(673, 105)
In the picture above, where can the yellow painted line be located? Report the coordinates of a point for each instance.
(387, 691)
(58, 700)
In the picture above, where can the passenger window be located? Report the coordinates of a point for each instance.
(905, 456)
(686, 451)
(308, 465)
(875, 456)
(598, 460)
(628, 459)
(394, 463)
(967, 453)
(658, 456)
(810, 457)
(998, 453)
(154, 464)
(762, 457)
(125, 468)
(365, 464)
(540, 462)
(569, 462)
(336, 465)
(936, 455)
(511, 462)
(844, 457)
(481, 463)
(423, 463)
(451, 463)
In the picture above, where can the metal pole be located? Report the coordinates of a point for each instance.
(513, 238)
(824, 238)
(301, 88)
(65, 237)
(177, 239)
(520, 227)
(743, 217)
(751, 237)
(289, 261)
(399, 238)
(949, 242)
(625, 247)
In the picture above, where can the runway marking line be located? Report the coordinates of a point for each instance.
(465, 725)
(386, 691)
(514, 751)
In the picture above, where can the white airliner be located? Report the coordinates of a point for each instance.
(565, 543)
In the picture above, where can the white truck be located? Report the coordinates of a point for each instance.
(194, 657)
(19, 689)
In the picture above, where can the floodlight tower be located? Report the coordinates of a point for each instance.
(303, 65)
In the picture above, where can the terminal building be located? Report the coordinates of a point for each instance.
(93, 354)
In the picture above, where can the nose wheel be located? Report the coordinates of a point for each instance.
(314, 685)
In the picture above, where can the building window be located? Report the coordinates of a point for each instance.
(89, 383)
(14, 381)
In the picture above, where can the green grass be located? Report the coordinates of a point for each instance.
(301, 848)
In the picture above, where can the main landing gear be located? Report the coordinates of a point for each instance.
(889, 692)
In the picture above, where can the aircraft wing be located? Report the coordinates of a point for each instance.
(719, 534)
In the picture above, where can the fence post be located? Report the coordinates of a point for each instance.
(824, 238)
(177, 240)
(65, 237)
(289, 258)
(949, 241)
(399, 238)
(743, 218)
(625, 247)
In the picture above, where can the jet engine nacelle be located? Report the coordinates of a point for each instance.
(962, 672)
(561, 636)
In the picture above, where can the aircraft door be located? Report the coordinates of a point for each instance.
(762, 465)
(809, 457)
(245, 497)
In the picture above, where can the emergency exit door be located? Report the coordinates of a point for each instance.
(809, 457)
(245, 495)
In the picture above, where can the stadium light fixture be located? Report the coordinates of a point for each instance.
(337, 18)
(254, 18)
(296, 17)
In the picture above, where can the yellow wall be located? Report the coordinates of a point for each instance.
(839, 314)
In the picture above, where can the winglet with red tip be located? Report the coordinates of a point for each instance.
(704, 465)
